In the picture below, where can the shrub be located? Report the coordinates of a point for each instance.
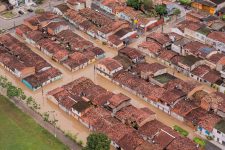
(181, 131)
(199, 141)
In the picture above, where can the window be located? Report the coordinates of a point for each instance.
(218, 132)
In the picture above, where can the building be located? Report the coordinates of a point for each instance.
(219, 132)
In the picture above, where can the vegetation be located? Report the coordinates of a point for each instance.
(38, 1)
(199, 141)
(20, 132)
(185, 2)
(161, 10)
(39, 11)
(14, 92)
(97, 141)
(181, 131)
(223, 17)
(176, 12)
(136, 4)
(8, 14)
(148, 4)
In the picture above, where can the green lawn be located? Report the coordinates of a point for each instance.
(20, 132)
(8, 14)
(180, 130)
(199, 141)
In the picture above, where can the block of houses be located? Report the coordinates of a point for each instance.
(219, 132)
(209, 6)
(108, 67)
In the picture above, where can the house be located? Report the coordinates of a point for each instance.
(135, 117)
(178, 46)
(150, 48)
(33, 37)
(60, 9)
(132, 54)
(153, 129)
(15, 66)
(209, 6)
(21, 30)
(207, 123)
(161, 38)
(216, 39)
(132, 141)
(40, 20)
(182, 108)
(54, 28)
(146, 70)
(214, 101)
(76, 4)
(117, 102)
(193, 118)
(80, 108)
(41, 79)
(182, 143)
(170, 98)
(219, 132)
(108, 67)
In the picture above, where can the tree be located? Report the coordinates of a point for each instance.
(97, 141)
(12, 91)
(185, 2)
(161, 10)
(136, 4)
(29, 100)
(223, 17)
(3, 81)
(148, 4)
(176, 12)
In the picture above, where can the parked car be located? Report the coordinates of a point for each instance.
(30, 10)
(20, 12)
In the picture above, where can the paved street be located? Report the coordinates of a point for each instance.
(66, 122)
(8, 24)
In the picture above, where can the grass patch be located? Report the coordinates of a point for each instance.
(180, 130)
(199, 141)
(164, 78)
(20, 132)
(39, 11)
(8, 14)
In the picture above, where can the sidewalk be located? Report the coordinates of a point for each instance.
(54, 131)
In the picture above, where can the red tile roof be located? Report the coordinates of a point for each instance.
(110, 64)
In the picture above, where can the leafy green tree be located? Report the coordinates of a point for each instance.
(136, 4)
(3, 81)
(29, 100)
(161, 10)
(176, 12)
(12, 91)
(185, 2)
(148, 4)
(223, 17)
(97, 141)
